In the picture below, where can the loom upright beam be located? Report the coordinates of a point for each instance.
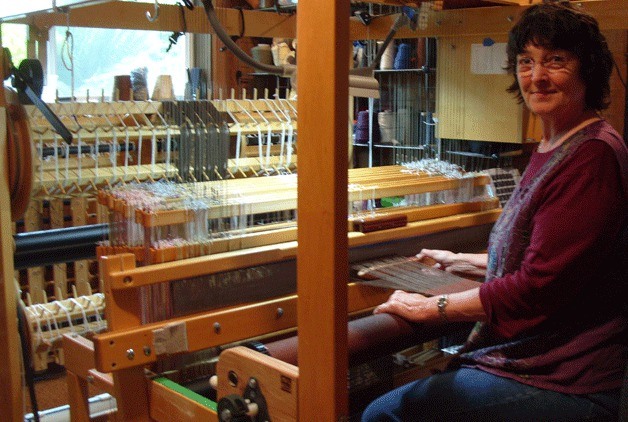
(322, 257)
(10, 374)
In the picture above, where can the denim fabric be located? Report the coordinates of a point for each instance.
(469, 394)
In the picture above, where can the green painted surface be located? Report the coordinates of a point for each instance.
(187, 393)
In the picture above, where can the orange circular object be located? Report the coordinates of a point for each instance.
(19, 156)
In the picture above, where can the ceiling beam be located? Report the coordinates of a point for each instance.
(514, 2)
(611, 14)
(128, 15)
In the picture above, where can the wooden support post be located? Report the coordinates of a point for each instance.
(35, 275)
(122, 310)
(79, 364)
(37, 45)
(77, 397)
(79, 354)
(10, 373)
(81, 268)
(60, 271)
(322, 257)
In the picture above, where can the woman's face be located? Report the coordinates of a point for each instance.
(550, 82)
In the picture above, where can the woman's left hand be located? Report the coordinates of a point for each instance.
(410, 306)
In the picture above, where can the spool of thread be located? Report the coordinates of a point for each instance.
(280, 53)
(291, 58)
(196, 88)
(362, 129)
(121, 88)
(388, 57)
(387, 126)
(163, 88)
(139, 84)
(402, 58)
(262, 53)
(359, 55)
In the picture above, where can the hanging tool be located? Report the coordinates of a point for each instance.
(155, 16)
(22, 80)
(176, 34)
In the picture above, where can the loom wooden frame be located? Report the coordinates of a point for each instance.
(611, 13)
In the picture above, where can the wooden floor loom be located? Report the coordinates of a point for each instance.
(240, 232)
(245, 288)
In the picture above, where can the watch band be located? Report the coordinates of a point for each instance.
(442, 304)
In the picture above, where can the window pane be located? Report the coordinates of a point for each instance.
(100, 54)
(14, 38)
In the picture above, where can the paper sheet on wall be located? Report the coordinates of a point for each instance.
(488, 60)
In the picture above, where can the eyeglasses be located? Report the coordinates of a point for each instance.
(552, 64)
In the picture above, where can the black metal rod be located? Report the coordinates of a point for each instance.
(56, 123)
(85, 149)
(55, 246)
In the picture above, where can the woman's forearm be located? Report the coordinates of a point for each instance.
(465, 306)
(457, 307)
(465, 264)
(479, 260)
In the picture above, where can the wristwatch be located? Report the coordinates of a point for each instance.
(442, 304)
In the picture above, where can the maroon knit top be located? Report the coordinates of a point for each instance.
(558, 321)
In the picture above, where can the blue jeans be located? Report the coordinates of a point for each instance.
(469, 394)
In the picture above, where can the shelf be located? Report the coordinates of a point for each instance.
(513, 153)
(415, 70)
(392, 146)
(421, 70)
(279, 9)
(268, 74)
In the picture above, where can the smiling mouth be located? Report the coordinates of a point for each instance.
(541, 95)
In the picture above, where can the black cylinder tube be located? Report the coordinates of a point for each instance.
(47, 247)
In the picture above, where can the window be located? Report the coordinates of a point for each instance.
(97, 55)
(14, 38)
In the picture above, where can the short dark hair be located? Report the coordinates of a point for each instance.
(558, 25)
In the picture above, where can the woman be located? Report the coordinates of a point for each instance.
(551, 343)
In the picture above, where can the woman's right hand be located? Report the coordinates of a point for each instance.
(463, 264)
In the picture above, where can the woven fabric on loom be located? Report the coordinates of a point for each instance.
(407, 273)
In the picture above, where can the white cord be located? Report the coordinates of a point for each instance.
(67, 50)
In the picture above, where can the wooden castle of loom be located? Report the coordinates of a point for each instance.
(121, 142)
